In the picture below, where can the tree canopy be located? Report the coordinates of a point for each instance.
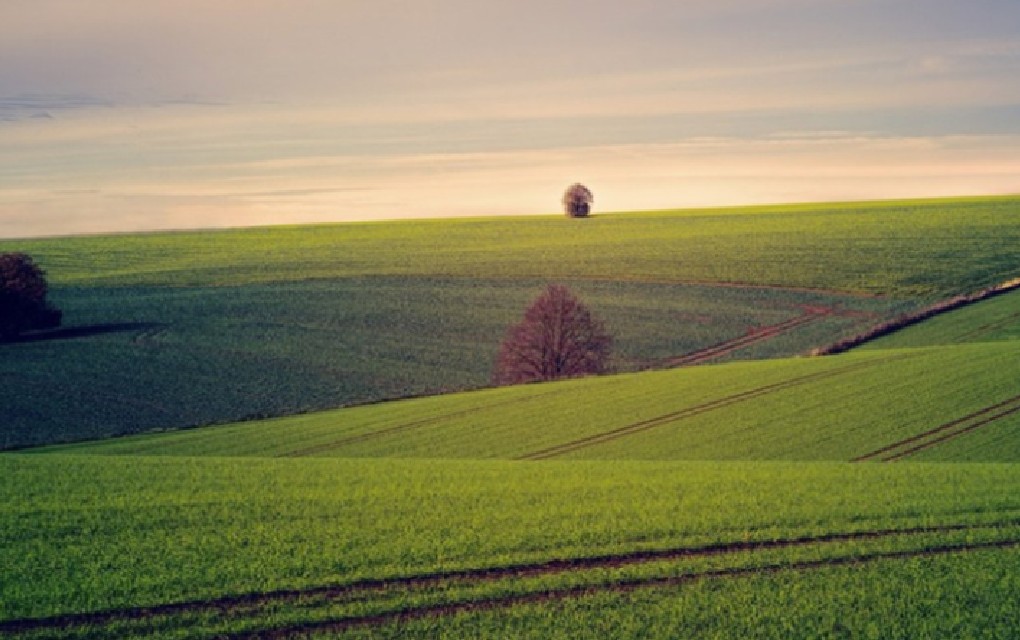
(557, 338)
(577, 200)
(23, 305)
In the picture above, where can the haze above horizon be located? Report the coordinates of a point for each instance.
(126, 116)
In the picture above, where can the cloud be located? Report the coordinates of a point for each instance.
(365, 54)
(154, 114)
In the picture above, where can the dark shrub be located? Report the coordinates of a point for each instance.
(23, 305)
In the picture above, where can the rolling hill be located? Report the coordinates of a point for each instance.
(174, 330)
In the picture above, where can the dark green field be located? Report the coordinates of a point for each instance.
(138, 358)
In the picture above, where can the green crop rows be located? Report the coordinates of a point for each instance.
(85, 535)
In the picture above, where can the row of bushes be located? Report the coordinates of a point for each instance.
(908, 319)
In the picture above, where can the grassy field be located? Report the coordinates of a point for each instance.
(233, 546)
(994, 320)
(708, 501)
(902, 248)
(142, 358)
(833, 408)
(283, 320)
(951, 395)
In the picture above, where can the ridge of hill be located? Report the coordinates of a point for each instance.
(924, 247)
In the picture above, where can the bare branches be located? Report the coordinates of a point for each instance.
(558, 338)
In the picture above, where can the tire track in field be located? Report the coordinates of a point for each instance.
(756, 335)
(410, 614)
(952, 429)
(1002, 323)
(690, 412)
(406, 426)
(228, 604)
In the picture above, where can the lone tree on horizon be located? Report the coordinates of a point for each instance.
(577, 201)
(23, 305)
(558, 338)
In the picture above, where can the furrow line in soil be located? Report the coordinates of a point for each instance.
(991, 326)
(951, 435)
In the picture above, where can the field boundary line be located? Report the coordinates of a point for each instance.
(619, 586)
(484, 574)
(932, 437)
(915, 317)
(689, 412)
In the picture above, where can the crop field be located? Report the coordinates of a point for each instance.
(871, 494)
(141, 358)
(207, 547)
(935, 403)
(908, 248)
(284, 320)
(994, 320)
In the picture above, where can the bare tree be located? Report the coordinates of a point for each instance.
(558, 338)
(577, 201)
(23, 305)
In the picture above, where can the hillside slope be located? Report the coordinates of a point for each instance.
(867, 406)
(175, 330)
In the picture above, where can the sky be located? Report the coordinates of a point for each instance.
(120, 115)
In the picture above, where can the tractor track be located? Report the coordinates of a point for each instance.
(1002, 323)
(949, 430)
(238, 603)
(407, 426)
(690, 412)
(620, 586)
(759, 334)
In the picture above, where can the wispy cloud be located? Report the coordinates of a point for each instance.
(117, 114)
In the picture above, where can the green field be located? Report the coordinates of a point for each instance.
(158, 358)
(872, 494)
(277, 321)
(904, 248)
(931, 401)
(994, 320)
(831, 408)
(219, 546)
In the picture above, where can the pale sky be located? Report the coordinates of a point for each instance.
(122, 115)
